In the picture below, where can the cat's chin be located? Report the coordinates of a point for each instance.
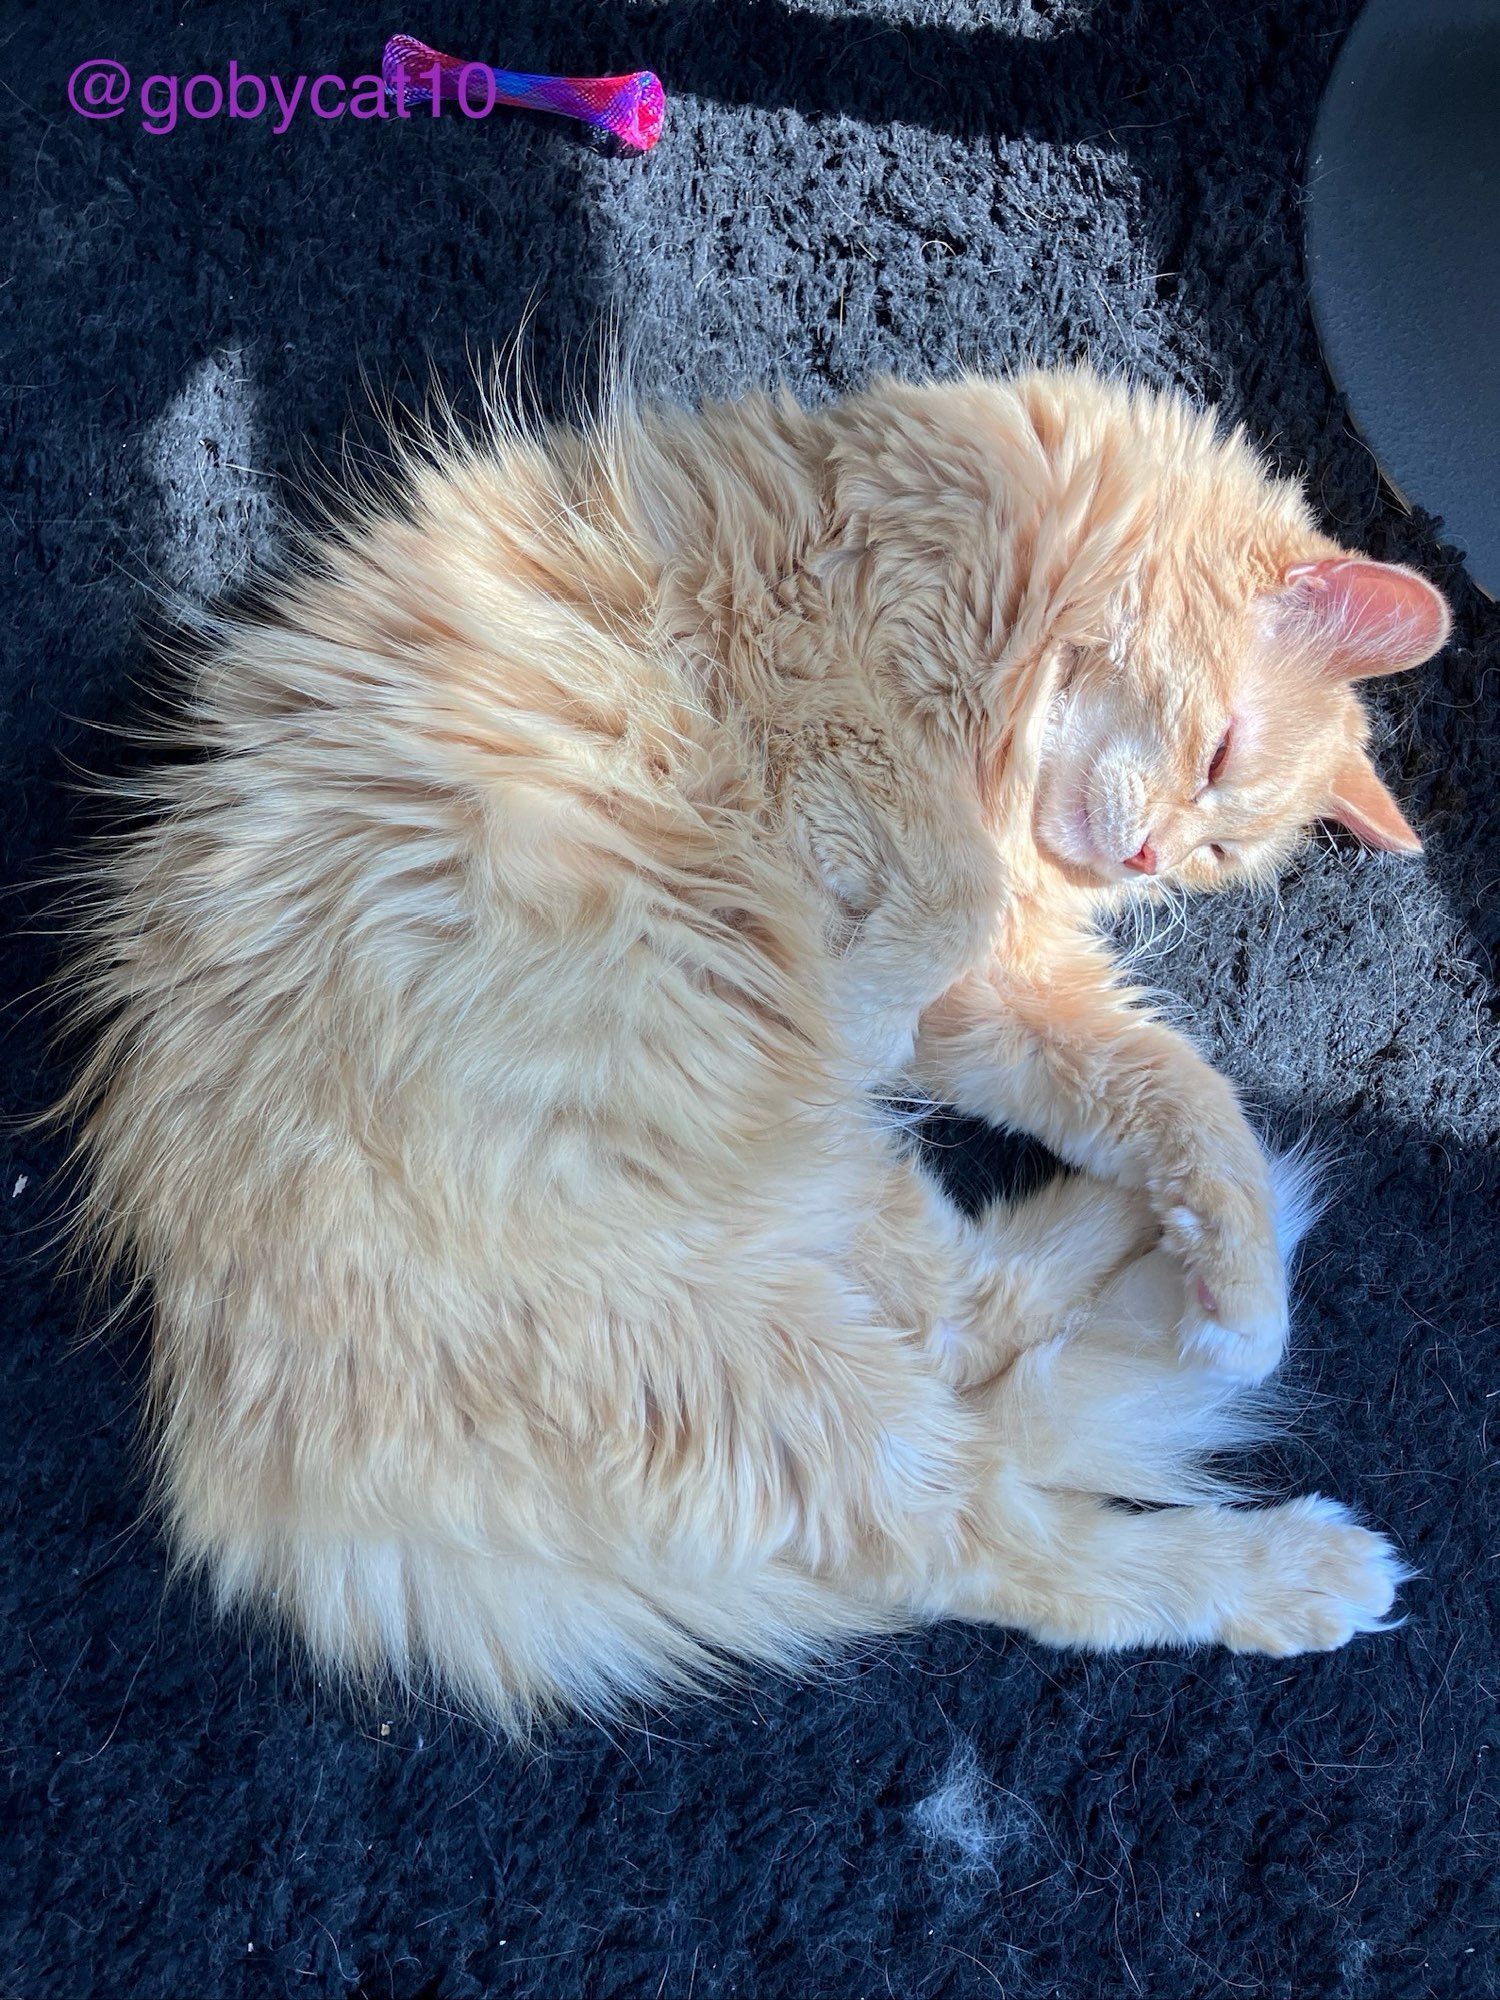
(1094, 877)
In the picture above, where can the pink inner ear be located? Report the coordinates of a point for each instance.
(1357, 797)
(1368, 617)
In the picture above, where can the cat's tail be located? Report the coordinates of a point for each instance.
(1116, 1407)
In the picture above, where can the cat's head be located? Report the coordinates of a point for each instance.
(1159, 645)
(1217, 719)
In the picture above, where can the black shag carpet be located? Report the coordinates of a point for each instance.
(913, 184)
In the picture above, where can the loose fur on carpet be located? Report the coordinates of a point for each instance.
(911, 184)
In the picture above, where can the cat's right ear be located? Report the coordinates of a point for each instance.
(1359, 619)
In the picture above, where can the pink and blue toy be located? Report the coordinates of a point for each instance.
(628, 106)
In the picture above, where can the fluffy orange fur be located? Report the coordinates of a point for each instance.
(485, 1021)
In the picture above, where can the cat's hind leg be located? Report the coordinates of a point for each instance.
(1109, 1409)
(1096, 1401)
(1111, 1404)
(1032, 1267)
(988, 1290)
(1077, 1571)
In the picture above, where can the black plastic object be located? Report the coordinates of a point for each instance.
(1403, 252)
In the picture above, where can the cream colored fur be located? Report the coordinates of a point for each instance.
(486, 1023)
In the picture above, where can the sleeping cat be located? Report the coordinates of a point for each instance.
(486, 1020)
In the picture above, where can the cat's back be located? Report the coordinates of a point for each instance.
(466, 904)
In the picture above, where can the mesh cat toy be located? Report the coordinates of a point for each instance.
(629, 106)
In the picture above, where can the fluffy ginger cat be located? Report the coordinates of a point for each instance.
(485, 1019)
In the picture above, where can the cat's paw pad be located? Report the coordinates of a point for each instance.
(1316, 1579)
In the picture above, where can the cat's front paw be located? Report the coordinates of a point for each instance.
(1238, 1314)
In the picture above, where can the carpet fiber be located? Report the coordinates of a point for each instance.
(917, 184)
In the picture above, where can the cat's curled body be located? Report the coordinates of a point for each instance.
(486, 1021)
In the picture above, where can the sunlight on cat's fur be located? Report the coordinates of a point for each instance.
(486, 1018)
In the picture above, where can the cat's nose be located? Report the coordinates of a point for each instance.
(1144, 858)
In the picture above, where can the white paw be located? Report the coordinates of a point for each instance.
(1237, 1316)
(1248, 1356)
(1313, 1579)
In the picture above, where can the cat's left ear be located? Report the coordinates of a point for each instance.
(1363, 618)
(1357, 799)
